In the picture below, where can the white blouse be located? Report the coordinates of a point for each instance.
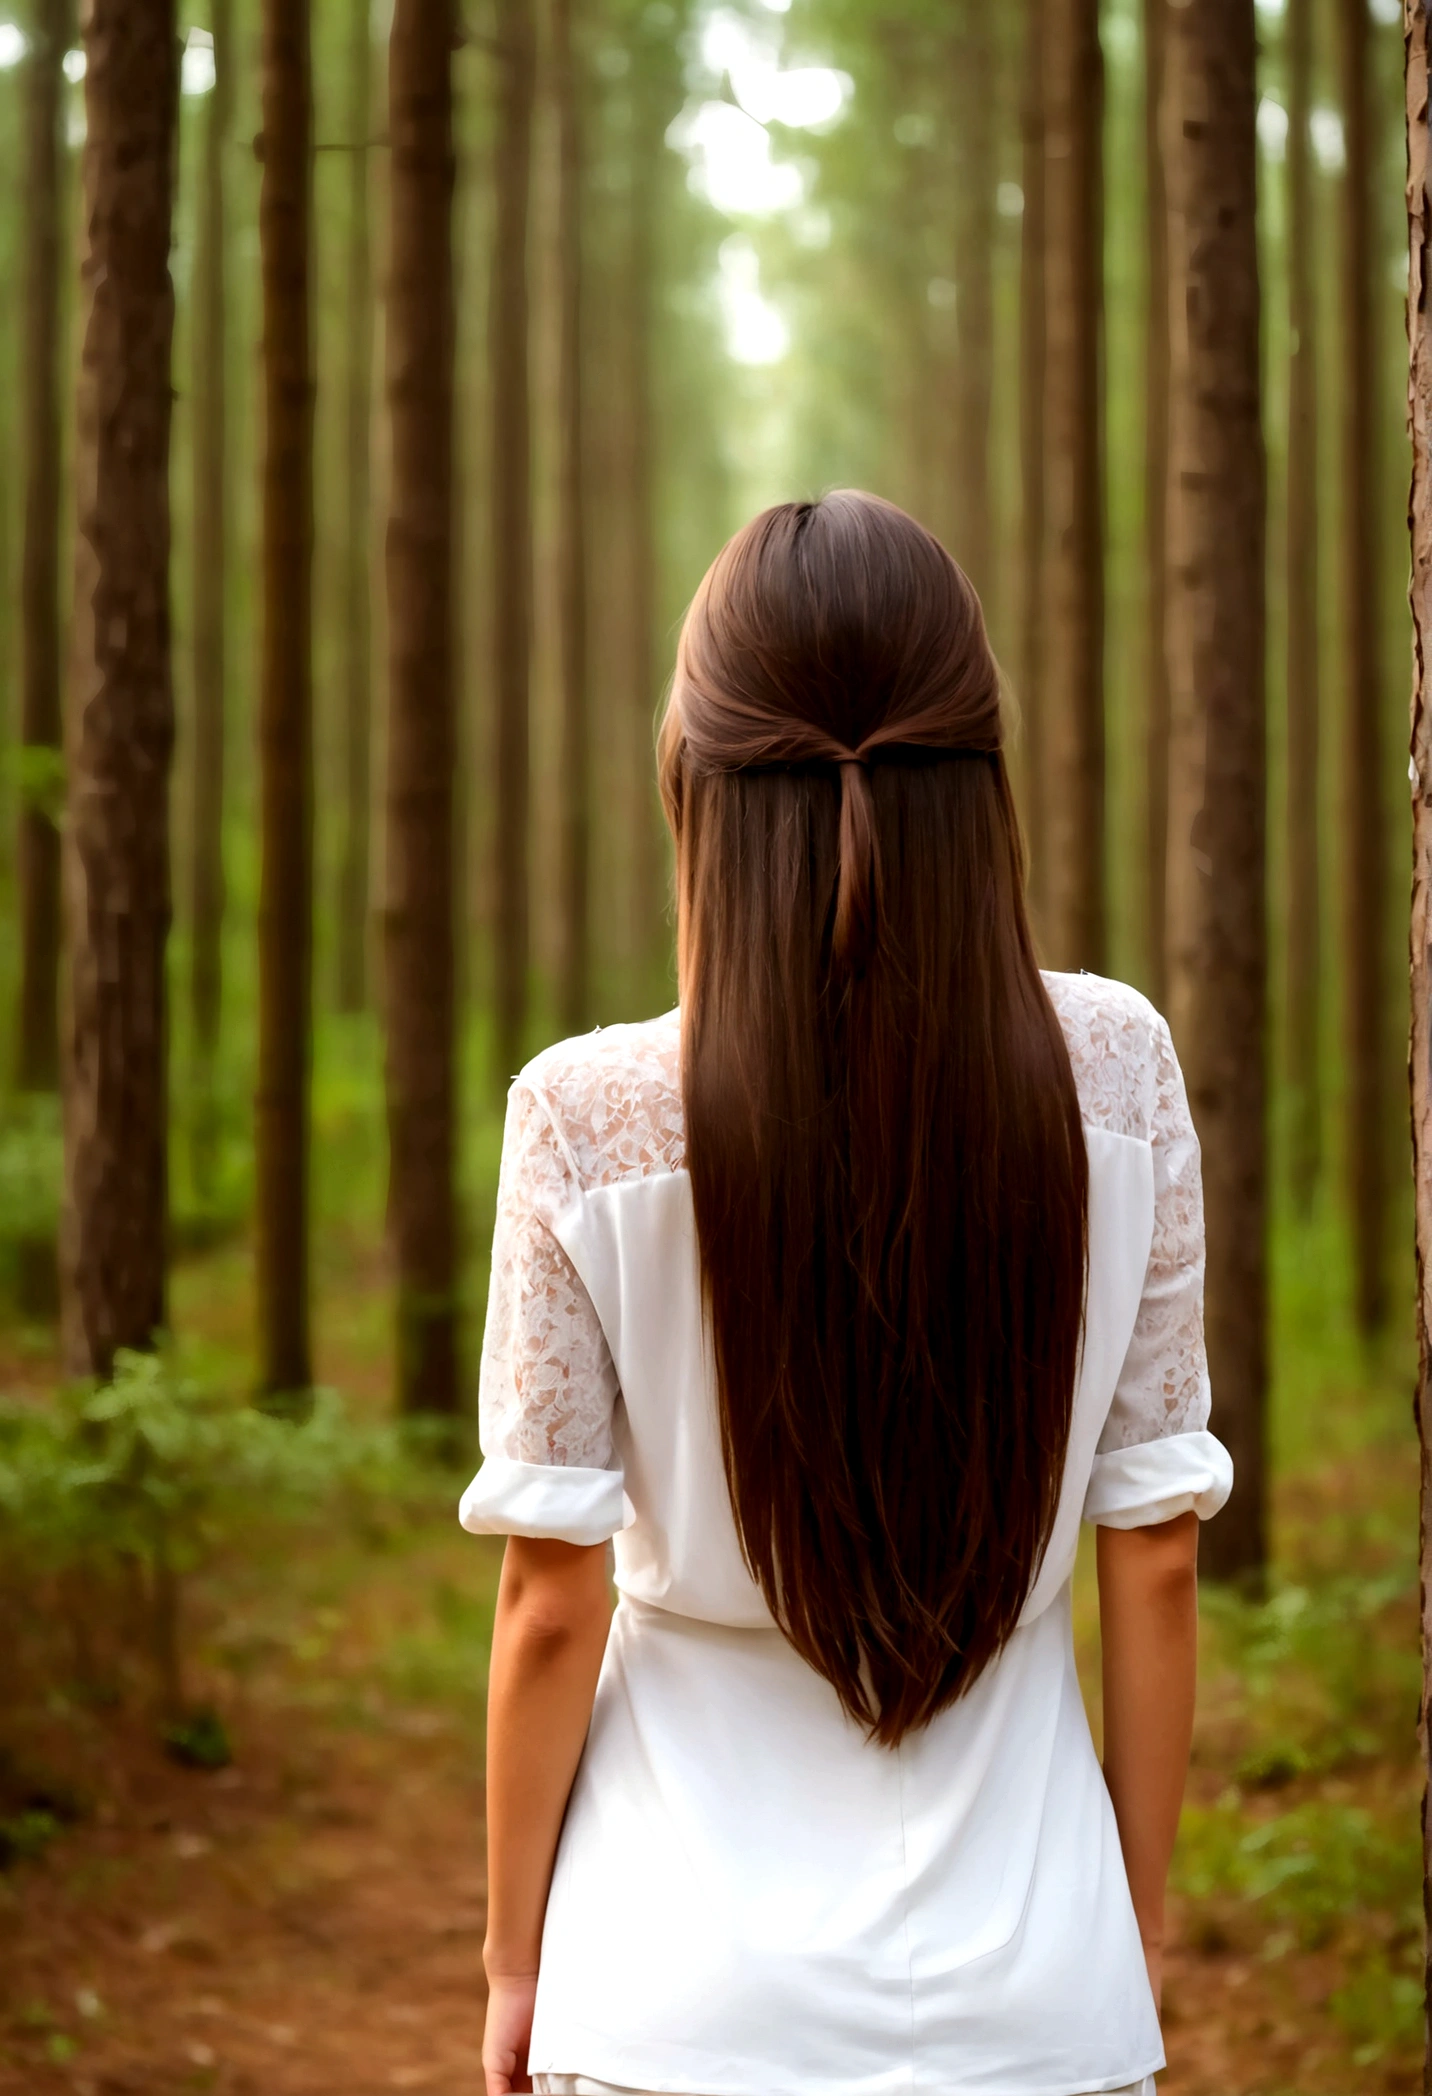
(749, 1898)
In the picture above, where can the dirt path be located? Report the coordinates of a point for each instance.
(307, 1925)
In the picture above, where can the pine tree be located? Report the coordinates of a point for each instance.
(353, 874)
(574, 981)
(512, 524)
(1215, 641)
(1156, 349)
(419, 987)
(1365, 882)
(121, 700)
(38, 856)
(1072, 686)
(1303, 699)
(285, 706)
(211, 539)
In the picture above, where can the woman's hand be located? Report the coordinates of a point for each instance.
(507, 2033)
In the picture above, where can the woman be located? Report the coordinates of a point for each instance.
(834, 1300)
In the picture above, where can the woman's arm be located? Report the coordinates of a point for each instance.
(1148, 1615)
(553, 1614)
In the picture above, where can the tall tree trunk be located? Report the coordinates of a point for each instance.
(1303, 698)
(574, 987)
(1419, 405)
(1365, 878)
(122, 708)
(40, 726)
(1216, 909)
(419, 915)
(1156, 293)
(38, 858)
(975, 300)
(210, 449)
(285, 705)
(512, 523)
(1031, 452)
(353, 876)
(649, 888)
(1072, 700)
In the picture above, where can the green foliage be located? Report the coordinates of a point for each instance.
(1318, 1686)
(38, 773)
(199, 1740)
(1325, 1874)
(31, 1167)
(115, 1496)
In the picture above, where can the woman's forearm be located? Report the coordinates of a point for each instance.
(1148, 1613)
(553, 1614)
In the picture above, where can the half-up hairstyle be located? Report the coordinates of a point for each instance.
(882, 1131)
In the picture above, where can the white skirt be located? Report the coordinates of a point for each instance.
(581, 2085)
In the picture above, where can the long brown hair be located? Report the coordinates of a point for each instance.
(882, 1131)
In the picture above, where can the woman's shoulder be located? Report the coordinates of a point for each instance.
(1119, 1048)
(614, 1097)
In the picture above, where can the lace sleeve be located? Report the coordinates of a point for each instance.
(548, 1384)
(1163, 1386)
(1156, 1457)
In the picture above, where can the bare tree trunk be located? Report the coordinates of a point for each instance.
(1156, 293)
(574, 987)
(512, 523)
(353, 877)
(40, 726)
(975, 298)
(210, 577)
(1072, 700)
(652, 940)
(1365, 878)
(419, 916)
(285, 705)
(38, 857)
(1303, 698)
(1216, 909)
(122, 708)
(1031, 453)
(1419, 509)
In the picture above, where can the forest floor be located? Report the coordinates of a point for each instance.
(308, 1921)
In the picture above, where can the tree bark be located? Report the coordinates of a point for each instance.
(1215, 642)
(651, 935)
(1365, 877)
(574, 984)
(1031, 453)
(512, 524)
(419, 916)
(1156, 294)
(1072, 700)
(1303, 982)
(975, 300)
(1419, 510)
(37, 1068)
(285, 705)
(211, 535)
(353, 876)
(41, 728)
(122, 711)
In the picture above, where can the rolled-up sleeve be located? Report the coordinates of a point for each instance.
(548, 1386)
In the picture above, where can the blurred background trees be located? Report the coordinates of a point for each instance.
(1117, 317)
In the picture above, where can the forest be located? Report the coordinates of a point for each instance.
(377, 379)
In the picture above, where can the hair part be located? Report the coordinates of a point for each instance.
(883, 1136)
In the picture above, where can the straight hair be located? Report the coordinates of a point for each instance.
(883, 1136)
